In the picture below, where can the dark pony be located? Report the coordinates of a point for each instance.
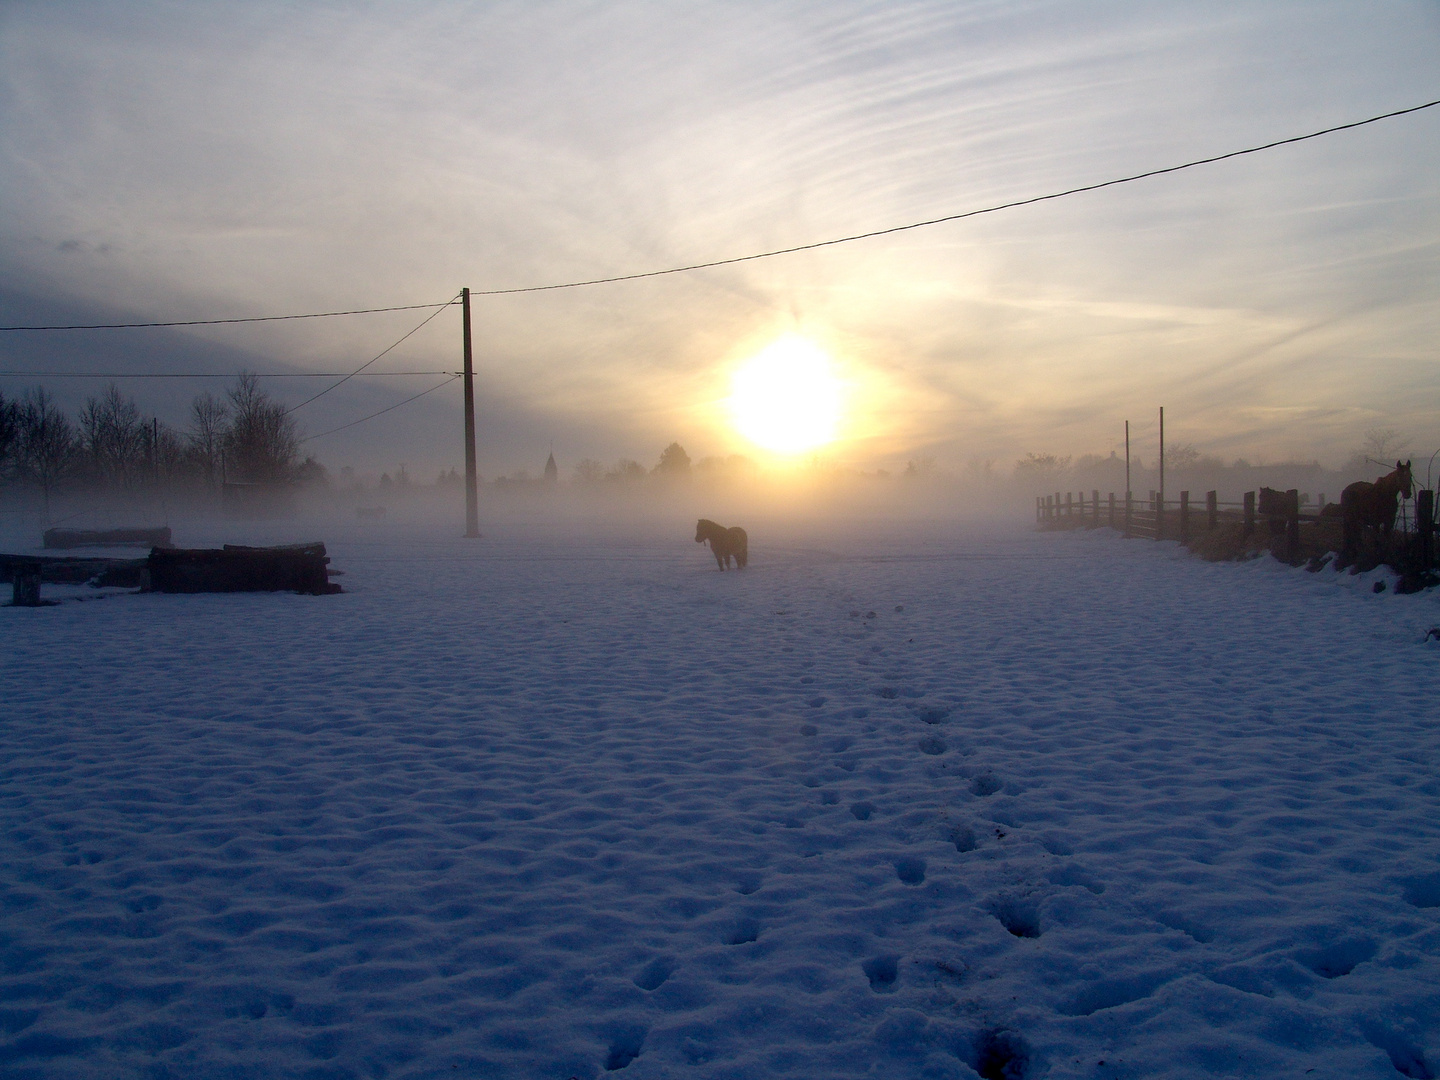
(1373, 506)
(724, 543)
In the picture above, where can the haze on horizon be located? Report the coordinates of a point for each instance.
(168, 161)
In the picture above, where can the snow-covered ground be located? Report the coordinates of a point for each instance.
(902, 800)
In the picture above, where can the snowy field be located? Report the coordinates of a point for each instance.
(906, 800)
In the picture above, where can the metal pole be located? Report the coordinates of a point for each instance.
(472, 493)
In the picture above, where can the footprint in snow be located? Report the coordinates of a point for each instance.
(653, 975)
(862, 810)
(984, 785)
(882, 971)
(910, 870)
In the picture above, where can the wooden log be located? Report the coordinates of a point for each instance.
(73, 538)
(236, 568)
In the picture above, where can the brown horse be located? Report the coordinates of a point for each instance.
(1374, 506)
(725, 544)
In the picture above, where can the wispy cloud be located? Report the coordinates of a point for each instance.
(183, 160)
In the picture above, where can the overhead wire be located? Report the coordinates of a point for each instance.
(201, 374)
(960, 216)
(786, 250)
(438, 308)
(372, 416)
(226, 322)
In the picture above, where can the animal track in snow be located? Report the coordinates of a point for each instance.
(933, 744)
(910, 870)
(1423, 890)
(963, 837)
(882, 971)
(1018, 915)
(862, 810)
(624, 1049)
(984, 785)
(1337, 958)
(742, 932)
(653, 975)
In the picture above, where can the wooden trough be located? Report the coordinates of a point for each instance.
(73, 538)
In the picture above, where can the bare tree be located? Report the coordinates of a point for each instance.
(261, 442)
(206, 437)
(116, 440)
(48, 446)
(9, 431)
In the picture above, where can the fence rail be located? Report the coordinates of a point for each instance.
(1412, 542)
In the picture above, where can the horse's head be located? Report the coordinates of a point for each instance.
(1404, 483)
(700, 530)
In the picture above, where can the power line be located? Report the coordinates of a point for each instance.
(960, 216)
(778, 251)
(201, 375)
(225, 322)
(439, 308)
(372, 416)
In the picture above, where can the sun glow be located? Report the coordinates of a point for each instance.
(787, 398)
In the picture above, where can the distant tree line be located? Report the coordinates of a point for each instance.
(1185, 466)
(110, 447)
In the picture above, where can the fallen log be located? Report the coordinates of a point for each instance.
(235, 568)
(73, 538)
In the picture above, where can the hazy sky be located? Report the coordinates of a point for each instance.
(179, 160)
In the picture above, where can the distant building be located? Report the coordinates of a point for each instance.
(552, 471)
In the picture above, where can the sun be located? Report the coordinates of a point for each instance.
(787, 398)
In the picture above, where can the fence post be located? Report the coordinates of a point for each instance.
(1184, 516)
(1249, 513)
(1112, 509)
(1292, 524)
(1068, 505)
(1212, 511)
(1425, 527)
(25, 584)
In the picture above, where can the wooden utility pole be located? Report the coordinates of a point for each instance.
(472, 488)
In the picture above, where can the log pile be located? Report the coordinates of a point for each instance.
(295, 568)
(302, 568)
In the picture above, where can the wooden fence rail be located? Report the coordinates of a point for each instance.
(1159, 518)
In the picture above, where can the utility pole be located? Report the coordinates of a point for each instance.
(472, 493)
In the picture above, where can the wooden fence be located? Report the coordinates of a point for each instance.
(1278, 512)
